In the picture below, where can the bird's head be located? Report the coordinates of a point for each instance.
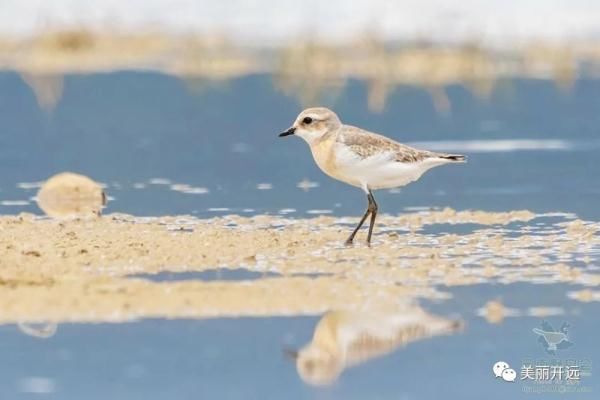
(313, 123)
(315, 366)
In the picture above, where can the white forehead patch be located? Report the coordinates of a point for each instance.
(315, 117)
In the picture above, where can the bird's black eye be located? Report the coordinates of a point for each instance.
(307, 120)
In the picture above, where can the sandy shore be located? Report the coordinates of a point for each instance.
(81, 269)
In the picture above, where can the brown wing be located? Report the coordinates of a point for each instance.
(366, 144)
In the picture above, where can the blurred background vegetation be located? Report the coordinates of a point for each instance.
(311, 49)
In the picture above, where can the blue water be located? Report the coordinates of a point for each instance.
(243, 358)
(125, 128)
(224, 274)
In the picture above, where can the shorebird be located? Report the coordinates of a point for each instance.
(363, 159)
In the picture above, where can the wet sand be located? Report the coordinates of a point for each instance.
(81, 269)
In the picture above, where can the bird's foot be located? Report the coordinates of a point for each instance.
(348, 242)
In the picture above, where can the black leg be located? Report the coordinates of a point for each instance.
(373, 209)
(360, 224)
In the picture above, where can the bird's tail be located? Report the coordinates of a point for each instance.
(454, 157)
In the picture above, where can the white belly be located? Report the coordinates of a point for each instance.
(381, 171)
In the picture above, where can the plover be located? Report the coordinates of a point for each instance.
(363, 159)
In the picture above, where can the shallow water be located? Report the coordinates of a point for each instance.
(166, 146)
(243, 358)
(142, 133)
(208, 275)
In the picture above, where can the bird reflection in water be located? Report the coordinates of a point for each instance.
(343, 339)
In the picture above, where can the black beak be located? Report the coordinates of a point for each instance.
(288, 132)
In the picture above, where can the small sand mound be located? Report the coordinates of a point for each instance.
(70, 195)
